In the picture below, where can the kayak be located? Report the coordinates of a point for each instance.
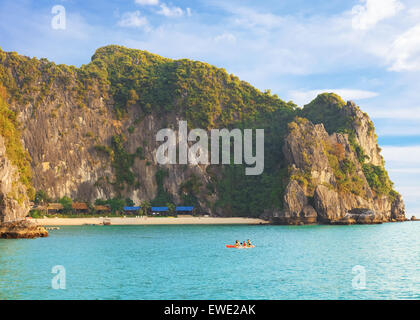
(238, 247)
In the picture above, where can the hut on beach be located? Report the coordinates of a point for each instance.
(102, 209)
(54, 208)
(79, 207)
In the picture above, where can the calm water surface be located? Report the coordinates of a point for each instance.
(191, 262)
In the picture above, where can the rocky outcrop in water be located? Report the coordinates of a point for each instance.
(327, 174)
(22, 230)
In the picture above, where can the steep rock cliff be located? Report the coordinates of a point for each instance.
(333, 180)
(14, 202)
(91, 134)
(15, 176)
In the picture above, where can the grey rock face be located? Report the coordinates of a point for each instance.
(294, 199)
(306, 150)
(398, 209)
(365, 134)
(62, 143)
(303, 150)
(296, 209)
(327, 204)
(10, 208)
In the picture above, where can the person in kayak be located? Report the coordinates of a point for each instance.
(244, 244)
(249, 243)
(237, 243)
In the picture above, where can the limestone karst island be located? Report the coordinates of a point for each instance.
(85, 138)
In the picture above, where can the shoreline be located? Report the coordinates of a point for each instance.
(148, 221)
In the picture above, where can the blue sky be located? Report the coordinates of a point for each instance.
(365, 50)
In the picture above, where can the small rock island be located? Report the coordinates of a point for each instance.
(337, 173)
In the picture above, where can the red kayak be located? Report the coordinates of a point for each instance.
(238, 247)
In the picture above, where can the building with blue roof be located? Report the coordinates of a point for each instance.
(185, 209)
(160, 211)
(131, 209)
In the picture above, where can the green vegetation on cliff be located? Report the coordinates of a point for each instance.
(379, 180)
(31, 80)
(162, 196)
(189, 191)
(9, 130)
(344, 170)
(121, 161)
(208, 96)
(241, 195)
(325, 109)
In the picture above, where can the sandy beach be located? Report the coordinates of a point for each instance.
(146, 221)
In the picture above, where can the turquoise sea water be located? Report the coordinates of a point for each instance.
(191, 262)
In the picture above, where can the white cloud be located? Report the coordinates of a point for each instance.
(249, 18)
(402, 155)
(406, 170)
(414, 12)
(225, 37)
(411, 192)
(368, 14)
(147, 2)
(396, 113)
(405, 51)
(134, 20)
(309, 38)
(403, 165)
(170, 11)
(398, 129)
(411, 196)
(304, 97)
